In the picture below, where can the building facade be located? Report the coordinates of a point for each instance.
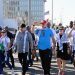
(10, 8)
(19, 8)
(1, 13)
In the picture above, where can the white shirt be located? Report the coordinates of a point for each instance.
(5, 40)
(73, 35)
(64, 39)
(67, 31)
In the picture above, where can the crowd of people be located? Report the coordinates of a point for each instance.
(48, 41)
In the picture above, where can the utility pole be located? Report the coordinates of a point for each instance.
(52, 12)
(29, 12)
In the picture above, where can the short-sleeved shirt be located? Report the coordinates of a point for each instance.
(44, 38)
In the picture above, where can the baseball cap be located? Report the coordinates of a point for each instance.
(43, 22)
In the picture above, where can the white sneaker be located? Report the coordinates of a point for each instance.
(12, 72)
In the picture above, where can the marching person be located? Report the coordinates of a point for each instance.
(22, 40)
(62, 50)
(35, 55)
(1, 55)
(54, 33)
(6, 43)
(33, 39)
(67, 31)
(72, 34)
(11, 36)
(44, 45)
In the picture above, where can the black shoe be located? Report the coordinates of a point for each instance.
(37, 59)
(30, 65)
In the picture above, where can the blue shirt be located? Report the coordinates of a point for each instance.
(44, 38)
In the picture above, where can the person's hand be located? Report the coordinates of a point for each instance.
(14, 49)
(33, 52)
(54, 52)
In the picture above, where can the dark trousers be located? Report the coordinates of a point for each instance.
(7, 60)
(23, 60)
(73, 58)
(1, 62)
(30, 57)
(45, 56)
(73, 54)
(11, 57)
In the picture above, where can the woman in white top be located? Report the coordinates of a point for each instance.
(62, 47)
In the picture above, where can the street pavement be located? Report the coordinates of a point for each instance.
(36, 69)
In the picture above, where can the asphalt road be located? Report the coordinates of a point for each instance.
(36, 69)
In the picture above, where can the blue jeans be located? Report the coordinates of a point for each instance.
(7, 61)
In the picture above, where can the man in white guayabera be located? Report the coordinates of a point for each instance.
(72, 34)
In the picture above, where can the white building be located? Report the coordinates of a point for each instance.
(15, 8)
(10, 8)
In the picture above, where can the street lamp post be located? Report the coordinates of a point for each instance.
(52, 12)
(29, 12)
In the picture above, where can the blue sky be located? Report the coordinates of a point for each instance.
(64, 10)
